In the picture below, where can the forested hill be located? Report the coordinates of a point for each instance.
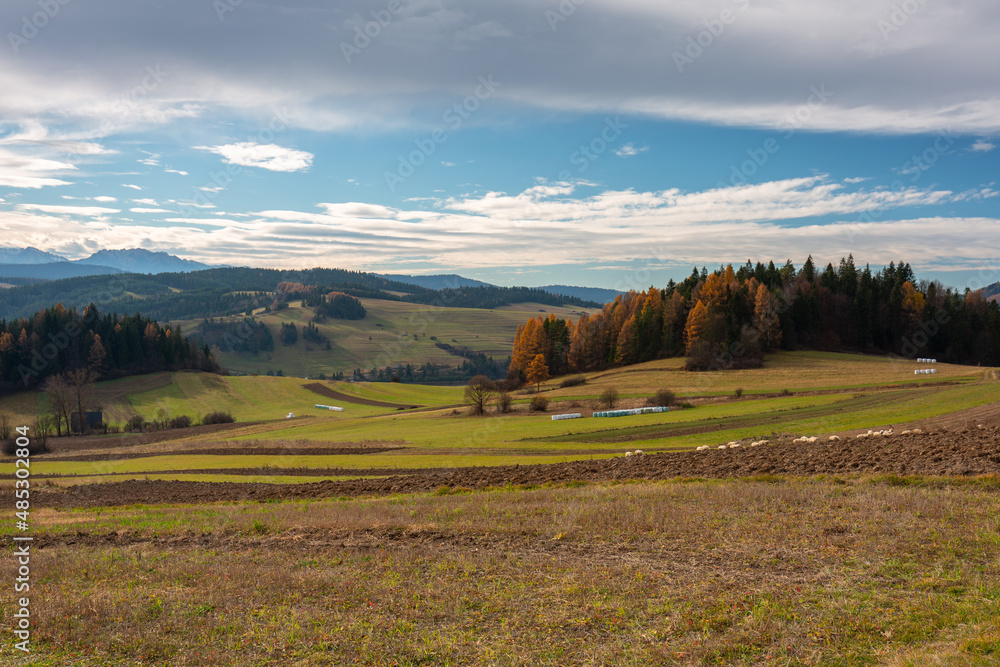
(57, 340)
(729, 318)
(228, 291)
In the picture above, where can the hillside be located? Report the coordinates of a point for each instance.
(991, 292)
(57, 270)
(393, 333)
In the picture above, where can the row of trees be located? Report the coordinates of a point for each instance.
(730, 318)
(57, 340)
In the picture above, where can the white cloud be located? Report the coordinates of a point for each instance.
(629, 149)
(29, 171)
(129, 185)
(982, 146)
(448, 164)
(88, 211)
(105, 199)
(575, 226)
(140, 209)
(147, 202)
(175, 171)
(264, 156)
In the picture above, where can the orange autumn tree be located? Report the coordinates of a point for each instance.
(538, 371)
(697, 325)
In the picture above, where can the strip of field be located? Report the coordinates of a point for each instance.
(965, 453)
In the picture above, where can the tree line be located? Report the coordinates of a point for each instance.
(59, 341)
(730, 318)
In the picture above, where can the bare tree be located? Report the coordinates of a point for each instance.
(81, 387)
(60, 401)
(478, 393)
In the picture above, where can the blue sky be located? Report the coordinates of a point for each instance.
(584, 142)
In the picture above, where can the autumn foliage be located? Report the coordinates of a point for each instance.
(731, 318)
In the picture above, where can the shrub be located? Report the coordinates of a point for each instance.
(218, 417)
(538, 404)
(739, 392)
(135, 423)
(183, 421)
(504, 401)
(661, 399)
(786, 392)
(573, 381)
(609, 398)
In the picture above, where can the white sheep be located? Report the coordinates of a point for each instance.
(701, 448)
(628, 453)
(722, 447)
(763, 442)
(907, 432)
(812, 439)
(834, 438)
(916, 431)
(734, 445)
(638, 452)
(859, 436)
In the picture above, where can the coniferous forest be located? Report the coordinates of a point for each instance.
(57, 340)
(731, 318)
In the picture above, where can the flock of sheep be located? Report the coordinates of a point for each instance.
(813, 439)
(885, 433)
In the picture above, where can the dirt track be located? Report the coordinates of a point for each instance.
(323, 390)
(962, 453)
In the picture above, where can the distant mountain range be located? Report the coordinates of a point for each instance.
(991, 292)
(435, 282)
(597, 294)
(35, 263)
(39, 264)
(438, 282)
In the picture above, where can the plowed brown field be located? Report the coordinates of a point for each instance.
(964, 452)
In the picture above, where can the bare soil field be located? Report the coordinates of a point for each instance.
(964, 452)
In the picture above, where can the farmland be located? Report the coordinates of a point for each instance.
(405, 531)
(392, 332)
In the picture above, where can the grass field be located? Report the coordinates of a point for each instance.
(829, 393)
(392, 333)
(784, 572)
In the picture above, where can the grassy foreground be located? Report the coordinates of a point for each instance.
(847, 571)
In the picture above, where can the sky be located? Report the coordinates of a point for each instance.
(591, 142)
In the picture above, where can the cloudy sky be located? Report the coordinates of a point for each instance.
(599, 142)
